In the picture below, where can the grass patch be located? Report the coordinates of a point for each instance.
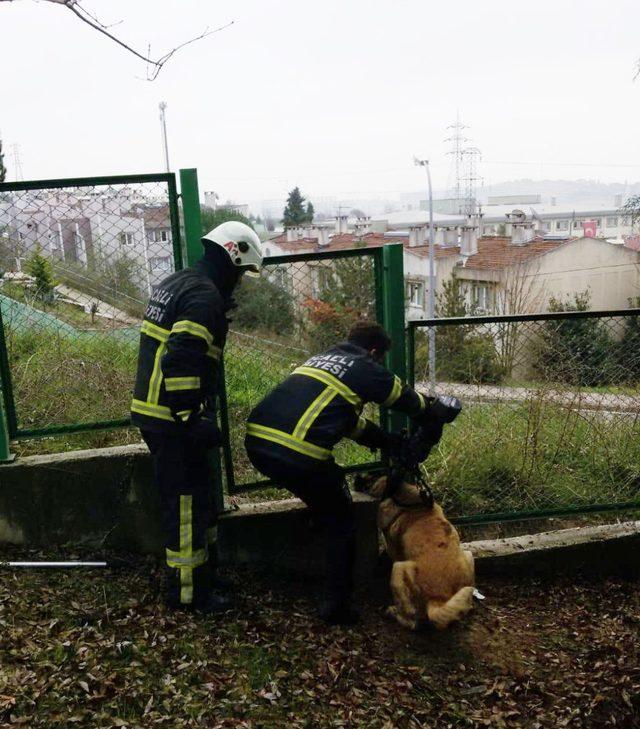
(536, 454)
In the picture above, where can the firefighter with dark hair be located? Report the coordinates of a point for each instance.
(291, 434)
(181, 341)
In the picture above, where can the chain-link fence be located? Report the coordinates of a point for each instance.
(551, 411)
(78, 259)
(300, 305)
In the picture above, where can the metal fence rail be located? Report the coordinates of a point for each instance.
(552, 412)
(78, 258)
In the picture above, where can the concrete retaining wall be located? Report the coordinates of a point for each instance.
(105, 499)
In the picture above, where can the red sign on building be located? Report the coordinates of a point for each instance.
(589, 228)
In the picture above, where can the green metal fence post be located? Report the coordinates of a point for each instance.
(411, 355)
(5, 398)
(191, 212)
(393, 318)
(5, 453)
(193, 234)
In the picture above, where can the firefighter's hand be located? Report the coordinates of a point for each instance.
(203, 428)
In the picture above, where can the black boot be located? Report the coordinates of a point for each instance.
(204, 597)
(339, 613)
(213, 602)
(337, 609)
(217, 582)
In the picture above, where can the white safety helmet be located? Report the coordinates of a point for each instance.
(241, 243)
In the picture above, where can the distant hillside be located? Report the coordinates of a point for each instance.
(563, 190)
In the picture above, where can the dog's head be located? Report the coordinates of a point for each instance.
(375, 485)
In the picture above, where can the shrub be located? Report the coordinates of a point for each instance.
(575, 351)
(262, 304)
(462, 353)
(628, 349)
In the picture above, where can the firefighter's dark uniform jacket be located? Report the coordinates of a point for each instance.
(182, 336)
(321, 402)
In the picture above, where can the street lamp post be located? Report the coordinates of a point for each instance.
(432, 283)
(163, 127)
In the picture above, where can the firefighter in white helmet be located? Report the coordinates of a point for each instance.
(182, 338)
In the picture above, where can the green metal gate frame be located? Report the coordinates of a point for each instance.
(389, 292)
(9, 429)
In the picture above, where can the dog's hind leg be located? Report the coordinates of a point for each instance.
(405, 594)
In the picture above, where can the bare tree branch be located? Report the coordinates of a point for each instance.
(90, 19)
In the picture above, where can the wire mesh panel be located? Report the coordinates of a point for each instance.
(298, 307)
(78, 259)
(551, 411)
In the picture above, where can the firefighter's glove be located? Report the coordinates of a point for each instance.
(203, 428)
(375, 438)
(183, 402)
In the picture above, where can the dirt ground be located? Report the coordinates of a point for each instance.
(96, 649)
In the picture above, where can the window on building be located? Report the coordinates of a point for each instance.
(481, 297)
(158, 236)
(562, 225)
(126, 239)
(320, 281)
(415, 293)
(279, 277)
(599, 222)
(160, 263)
(612, 222)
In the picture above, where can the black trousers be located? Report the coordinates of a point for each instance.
(321, 486)
(184, 481)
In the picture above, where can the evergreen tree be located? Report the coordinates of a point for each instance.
(40, 268)
(310, 213)
(212, 218)
(296, 212)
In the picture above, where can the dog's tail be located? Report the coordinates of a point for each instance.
(442, 614)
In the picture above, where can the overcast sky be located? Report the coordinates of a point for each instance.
(335, 96)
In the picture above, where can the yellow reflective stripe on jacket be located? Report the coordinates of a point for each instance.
(156, 411)
(153, 330)
(173, 384)
(191, 327)
(395, 393)
(312, 412)
(423, 402)
(197, 330)
(288, 441)
(156, 376)
(328, 379)
(214, 352)
(359, 429)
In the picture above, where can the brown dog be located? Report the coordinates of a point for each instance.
(432, 578)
